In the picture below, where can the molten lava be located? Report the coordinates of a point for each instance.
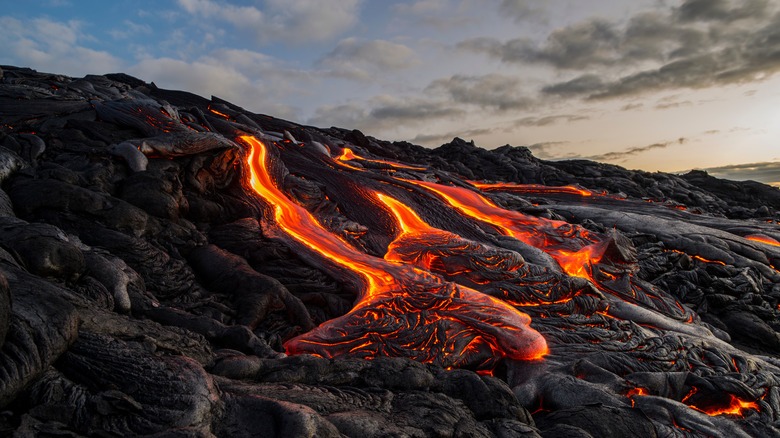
(348, 155)
(763, 239)
(577, 251)
(534, 188)
(401, 310)
(735, 407)
(572, 247)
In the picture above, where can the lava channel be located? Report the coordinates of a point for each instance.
(401, 310)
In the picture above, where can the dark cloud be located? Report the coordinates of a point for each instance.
(631, 106)
(590, 42)
(492, 90)
(620, 155)
(385, 112)
(667, 105)
(584, 84)
(410, 110)
(442, 99)
(701, 43)
(754, 60)
(549, 120)
(522, 10)
(766, 172)
(721, 10)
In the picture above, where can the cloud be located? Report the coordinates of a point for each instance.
(52, 46)
(620, 155)
(668, 105)
(248, 62)
(385, 112)
(439, 14)
(287, 21)
(130, 29)
(631, 106)
(549, 120)
(545, 150)
(490, 91)
(422, 8)
(210, 77)
(701, 43)
(584, 84)
(444, 99)
(754, 57)
(522, 10)
(766, 172)
(580, 45)
(239, 16)
(721, 10)
(361, 60)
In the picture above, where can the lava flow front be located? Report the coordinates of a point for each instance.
(401, 310)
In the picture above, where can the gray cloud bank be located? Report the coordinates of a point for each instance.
(701, 43)
(621, 155)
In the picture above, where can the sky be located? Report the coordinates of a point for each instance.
(657, 85)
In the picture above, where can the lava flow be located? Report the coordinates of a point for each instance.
(576, 250)
(763, 239)
(533, 188)
(572, 247)
(401, 310)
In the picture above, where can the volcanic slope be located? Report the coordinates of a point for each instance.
(178, 266)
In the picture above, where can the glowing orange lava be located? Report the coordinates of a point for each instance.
(636, 391)
(573, 248)
(533, 188)
(401, 310)
(348, 155)
(219, 113)
(736, 407)
(763, 239)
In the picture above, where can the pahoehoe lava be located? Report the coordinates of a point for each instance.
(172, 265)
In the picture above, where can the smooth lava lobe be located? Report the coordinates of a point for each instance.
(401, 310)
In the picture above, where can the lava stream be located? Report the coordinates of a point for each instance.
(573, 248)
(401, 310)
(763, 239)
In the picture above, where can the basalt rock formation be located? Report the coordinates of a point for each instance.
(172, 265)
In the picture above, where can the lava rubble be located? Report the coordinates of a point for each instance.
(177, 266)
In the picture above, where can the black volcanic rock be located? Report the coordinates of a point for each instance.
(145, 290)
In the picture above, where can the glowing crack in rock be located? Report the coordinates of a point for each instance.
(401, 310)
